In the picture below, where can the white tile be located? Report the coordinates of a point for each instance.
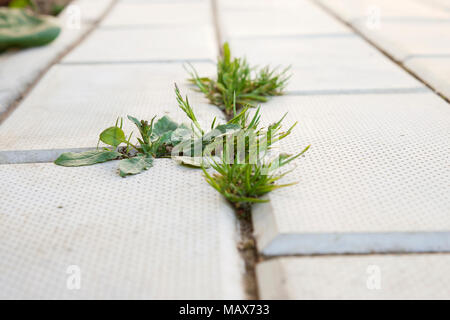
(146, 43)
(331, 63)
(441, 4)
(374, 180)
(72, 104)
(405, 39)
(133, 13)
(275, 18)
(351, 10)
(415, 276)
(90, 10)
(162, 234)
(434, 71)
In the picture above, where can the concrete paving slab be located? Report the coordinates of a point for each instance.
(414, 276)
(91, 10)
(369, 10)
(275, 18)
(403, 40)
(434, 71)
(72, 104)
(374, 180)
(441, 4)
(126, 238)
(327, 64)
(151, 13)
(146, 44)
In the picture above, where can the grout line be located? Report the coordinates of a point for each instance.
(434, 4)
(311, 36)
(36, 156)
(76, 63)
(356, 91)
(12, 106)
(318, 255)
(427, 56)
(373, 44)
(249, 253)
(399, 20)
(247, 243)
(126, 27)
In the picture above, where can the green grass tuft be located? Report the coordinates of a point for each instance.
(238, 84)
(243, 175)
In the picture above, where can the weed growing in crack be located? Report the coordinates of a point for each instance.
(162, 138)
(238, 150)
(245, 171)
(155, 142)
(239, 84)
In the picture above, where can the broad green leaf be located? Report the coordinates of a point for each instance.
(135, 121)
(134, 165)
(164, 125)
(73, 159)
(180, 134)
(166, 137)
(113, 136)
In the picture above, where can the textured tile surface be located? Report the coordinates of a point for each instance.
(146, 44)
(256, 18)
(161, 234)
(332, 63)
(90, 10)
(73, 104)
(434, 71)
(415, 276)
(405, 39)
(440, 4)
(158, 13)
(375, 179)
(384, 9)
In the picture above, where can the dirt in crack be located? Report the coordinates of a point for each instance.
(247, 249)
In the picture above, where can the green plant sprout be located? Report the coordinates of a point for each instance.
(155, 142)
(238, 84)
(191, 145)
(163, 138)
(243, 176)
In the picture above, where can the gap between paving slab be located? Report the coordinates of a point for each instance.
(247, 244)
(434, 70)
(154, 61)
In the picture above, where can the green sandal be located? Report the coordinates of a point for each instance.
(22, 29)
